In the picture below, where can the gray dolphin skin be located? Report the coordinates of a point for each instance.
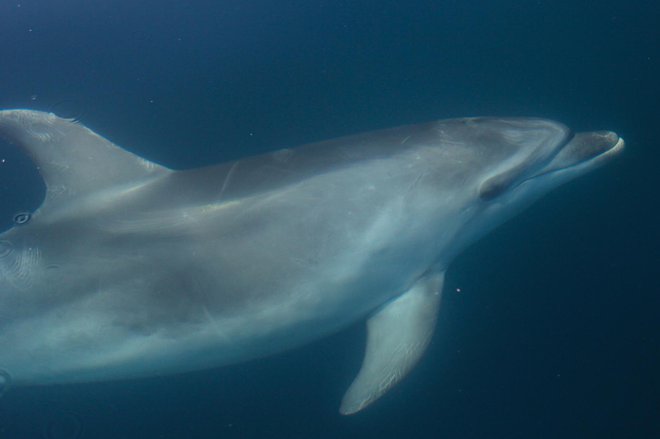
(129, 269)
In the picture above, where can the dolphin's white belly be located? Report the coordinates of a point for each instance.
(94, 341)
(166, 310)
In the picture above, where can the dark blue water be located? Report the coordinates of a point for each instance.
(556, 331)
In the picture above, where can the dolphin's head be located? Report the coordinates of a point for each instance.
(506, 164)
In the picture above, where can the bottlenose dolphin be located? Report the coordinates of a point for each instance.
(130, 269)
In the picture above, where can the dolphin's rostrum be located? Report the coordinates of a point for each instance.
(131, 269)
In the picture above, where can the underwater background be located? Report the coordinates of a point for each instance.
(555, 332)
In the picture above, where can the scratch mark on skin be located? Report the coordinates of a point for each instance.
(227, 179)
(212, 321)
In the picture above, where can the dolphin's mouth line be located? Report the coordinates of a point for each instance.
(551, 167)
(618, 147)
(603, 155)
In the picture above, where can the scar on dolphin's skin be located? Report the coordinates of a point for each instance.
(22, 218)
(225, 183)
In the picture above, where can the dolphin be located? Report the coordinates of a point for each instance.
(131, 269)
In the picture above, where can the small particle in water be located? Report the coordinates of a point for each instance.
(458, 290)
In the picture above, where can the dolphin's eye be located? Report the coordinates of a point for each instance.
(22, 218)
(492, 189)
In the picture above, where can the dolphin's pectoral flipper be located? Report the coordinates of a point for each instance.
(397, 336)
(72, 159)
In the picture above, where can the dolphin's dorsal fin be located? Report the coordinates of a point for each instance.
(72, 159)
(397, 336)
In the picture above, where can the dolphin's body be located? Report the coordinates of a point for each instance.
(130, 269)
